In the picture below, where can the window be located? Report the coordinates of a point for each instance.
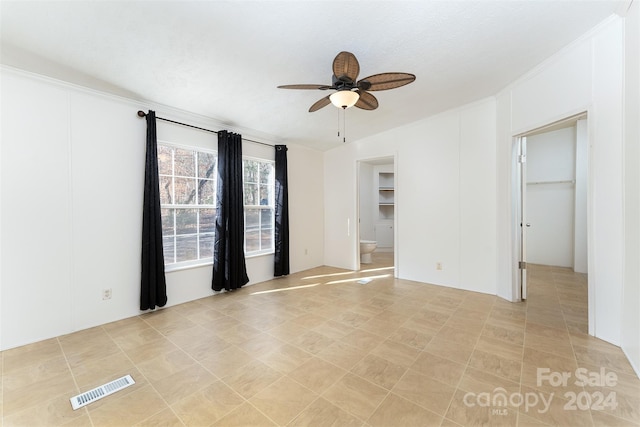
(188, 204)
(258, 177)
(187, 199)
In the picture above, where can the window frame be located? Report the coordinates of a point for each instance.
(270, 206)
(182, 265)
(179, 265)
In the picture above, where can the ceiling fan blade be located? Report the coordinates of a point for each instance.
(319, 104)
(346, 67)
(321, 87)
(385, 81)
(366, 101)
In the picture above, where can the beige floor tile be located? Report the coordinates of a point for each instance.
(312, 342)
(392, 352)
(333, 329)
(252, 378)
(356, 396)
(499, 347)
(478, 381)
(525, 420)
(226, 361)
(54, 412)
(91, 345)
(379, 371)
(352, 319)
(395, 410)
(323, 413)
(613, 358)
(244, 416)
(558, 413)
(165, 364)
(287, 331)
(95, 373)
(342, 354)
(559, 347)
(428, 319)
(260, 344)
(182, 383)
(208, 405)
(427, 392)
(132, 334)
(21, 391)
(439, 368)
(167, 321)
(469, 412)
(606, 420)
(285, 358)
(411, 337)
(164, 418)
(397, 353)
(546, 331)
(450, 349)
(283, 400)
(317, 375)
(496, 365)
(363, 340)
(30, 355)
(128, 410)
(200, 348)
(380, 327)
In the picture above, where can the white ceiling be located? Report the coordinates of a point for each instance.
(224, 59)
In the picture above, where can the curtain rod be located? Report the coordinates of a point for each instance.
(143, 114)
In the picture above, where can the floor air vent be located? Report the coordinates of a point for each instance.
(99, 392)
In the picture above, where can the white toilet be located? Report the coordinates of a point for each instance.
(366, 249)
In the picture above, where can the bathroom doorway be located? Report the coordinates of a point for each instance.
(377, 211)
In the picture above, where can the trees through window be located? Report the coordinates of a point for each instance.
(188, 203)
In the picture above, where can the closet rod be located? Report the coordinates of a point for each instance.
(569, 181)
(143, 114)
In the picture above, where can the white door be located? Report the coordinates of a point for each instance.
(384, 235)
(522, 263)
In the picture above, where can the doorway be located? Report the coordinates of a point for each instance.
(377, 210)
(551, 186)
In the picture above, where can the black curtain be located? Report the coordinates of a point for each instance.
(153, 286)
(281, 255)
(229, 267)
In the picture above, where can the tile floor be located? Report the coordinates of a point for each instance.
(319, 349)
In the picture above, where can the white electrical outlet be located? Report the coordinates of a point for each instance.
(106, 294)
(438, 266)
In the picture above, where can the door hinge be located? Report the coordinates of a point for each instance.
(522, 265)
(522, 158)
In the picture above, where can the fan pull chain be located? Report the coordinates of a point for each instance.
(341, 112)
(344, 125)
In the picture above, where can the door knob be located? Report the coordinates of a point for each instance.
(528, 225)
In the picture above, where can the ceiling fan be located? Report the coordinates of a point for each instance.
(350, 92)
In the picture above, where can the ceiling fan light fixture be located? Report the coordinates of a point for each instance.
(344, 98)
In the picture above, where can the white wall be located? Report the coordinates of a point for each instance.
(72, 177)
(630, 339)
(445, 197)
(587, 76)
(306, 207)
(550, 197)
